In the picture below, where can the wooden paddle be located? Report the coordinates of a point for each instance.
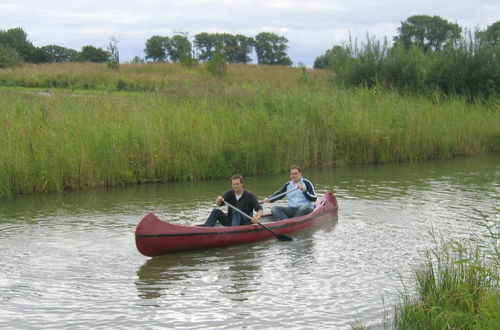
(281, 237)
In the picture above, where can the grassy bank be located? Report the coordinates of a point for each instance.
(457, 287)
(255, 120)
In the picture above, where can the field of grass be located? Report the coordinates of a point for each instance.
(76, 126)
(170, 78)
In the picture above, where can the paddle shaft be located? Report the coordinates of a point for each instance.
(283, 194)
(237, 209)
(281, 237)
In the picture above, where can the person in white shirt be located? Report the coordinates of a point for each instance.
(301, 196)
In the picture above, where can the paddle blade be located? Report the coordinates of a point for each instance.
(281, 237)
(284, 238)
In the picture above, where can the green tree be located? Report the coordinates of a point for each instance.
(205, 43)
(56, 53)
(430, 33)
(333, 59)
(9, 58)
(271, 49)
(93, 54)
(321, 62)
(37, 55)
(178, 47)
(235, 48)
(491, 34)
(238, 47)
(156, 48)
(17, 39)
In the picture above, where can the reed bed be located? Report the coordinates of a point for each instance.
(256, 120)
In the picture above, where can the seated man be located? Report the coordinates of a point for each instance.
(240, 198)
(300, 197)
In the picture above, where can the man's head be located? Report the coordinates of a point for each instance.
(237, 183)
(295, 173)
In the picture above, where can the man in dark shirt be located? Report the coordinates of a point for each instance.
(240, 198)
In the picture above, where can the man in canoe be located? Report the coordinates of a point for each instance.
(240, 198)
(300, 193)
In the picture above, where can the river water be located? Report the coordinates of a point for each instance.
(69, 261)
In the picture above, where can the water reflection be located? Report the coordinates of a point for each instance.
(303, 249)
(232, 271)
(230, 276)
(242, 278)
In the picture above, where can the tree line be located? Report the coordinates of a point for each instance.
(428, 54)
(270, 48)
(16, 48)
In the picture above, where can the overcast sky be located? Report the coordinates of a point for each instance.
(311, 26)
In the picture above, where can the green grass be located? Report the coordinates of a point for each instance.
(456, 288)
(171, 78)
(191, 125)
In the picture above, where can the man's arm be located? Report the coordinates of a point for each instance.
(281, 191)
(258, 208)
(310, 193)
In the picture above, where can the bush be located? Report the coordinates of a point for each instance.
(217, 64)
(468, 67)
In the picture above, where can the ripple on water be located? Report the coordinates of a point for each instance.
(77, 266)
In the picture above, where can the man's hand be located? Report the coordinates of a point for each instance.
(257, 216)
(219, 200)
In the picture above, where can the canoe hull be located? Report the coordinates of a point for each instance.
(154, 237)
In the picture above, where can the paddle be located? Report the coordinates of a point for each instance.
(282, 194)
(281, 237)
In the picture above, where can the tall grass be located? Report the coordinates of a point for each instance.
(172, 78)
(457, 287)
(207, 127)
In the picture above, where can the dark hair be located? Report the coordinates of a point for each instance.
(297, 167)
(237, 176)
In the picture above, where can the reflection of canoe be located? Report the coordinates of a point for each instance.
(154, 237)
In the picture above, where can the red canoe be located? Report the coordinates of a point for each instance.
(154, 237)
